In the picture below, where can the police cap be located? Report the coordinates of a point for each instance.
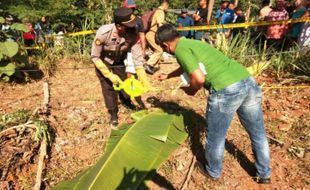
(125, 17)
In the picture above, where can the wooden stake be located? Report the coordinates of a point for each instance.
(210, 9)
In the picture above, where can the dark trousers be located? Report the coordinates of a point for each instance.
(109, 94)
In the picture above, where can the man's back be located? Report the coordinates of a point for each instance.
(221, 70)
(157, 19)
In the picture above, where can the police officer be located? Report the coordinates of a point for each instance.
(109, 50)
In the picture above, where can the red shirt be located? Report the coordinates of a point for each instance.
(29, 35)
(277, 31)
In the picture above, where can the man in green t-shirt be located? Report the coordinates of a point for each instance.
(231, 88)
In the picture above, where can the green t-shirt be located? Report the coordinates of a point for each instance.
(220, 70)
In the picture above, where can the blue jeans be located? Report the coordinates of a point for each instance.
(243, 97)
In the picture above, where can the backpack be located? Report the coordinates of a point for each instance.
(147, 18)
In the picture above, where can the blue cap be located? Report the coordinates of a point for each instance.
(129, 4)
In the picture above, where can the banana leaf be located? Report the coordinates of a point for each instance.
(132, 153)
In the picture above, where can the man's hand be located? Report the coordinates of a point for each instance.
(189, 90)
(115, 79)
(161, 76)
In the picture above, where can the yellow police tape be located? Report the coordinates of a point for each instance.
(245, 25)
(208, 27)
(85, 32)
(219, 26)
(284, 87)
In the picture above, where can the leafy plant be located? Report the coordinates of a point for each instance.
(302, 63)
(80, 46)
(132, 153)
(15, 118)
(41, 131)
(10, 55)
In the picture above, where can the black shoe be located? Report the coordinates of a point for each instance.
(150, 69)
(263, 180)
(203, 171)
(114, 119)
(127, 104)
(140, 103)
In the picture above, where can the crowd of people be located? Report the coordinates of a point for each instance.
(39, 33)
(279, 36)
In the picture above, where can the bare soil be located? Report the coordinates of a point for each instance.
(79, 122)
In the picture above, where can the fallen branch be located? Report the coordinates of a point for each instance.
(189, 174)
(275, 140)
(28, 124)
(43, 145)
(42, 155)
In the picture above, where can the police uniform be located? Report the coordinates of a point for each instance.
(111, 50)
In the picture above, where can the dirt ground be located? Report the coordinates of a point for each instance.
(80, 125)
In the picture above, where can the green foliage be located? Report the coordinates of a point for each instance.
(8, 48)
(241, 48)
(19, 27)
(15, 118)
(42, 132)
(67, 13)
(80, 46)
(133, 153)
(302, 63)
(2, 20)
(6, 71)
(10, 55)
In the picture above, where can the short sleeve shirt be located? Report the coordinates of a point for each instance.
(139, 26)
(221, 71)
(106, 41)
(157, 19)
(277, 31)
(296, 28)
(203, 13)
(184, 22)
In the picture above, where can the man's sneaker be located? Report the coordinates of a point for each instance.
(203, 171)
(263, 180)
(150, 69)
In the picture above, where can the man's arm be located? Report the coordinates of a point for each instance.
(218, 14)
(175, 73)
(197, 82)
(143, 41)
(196, 17)
(95, 57)
(96, 47)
